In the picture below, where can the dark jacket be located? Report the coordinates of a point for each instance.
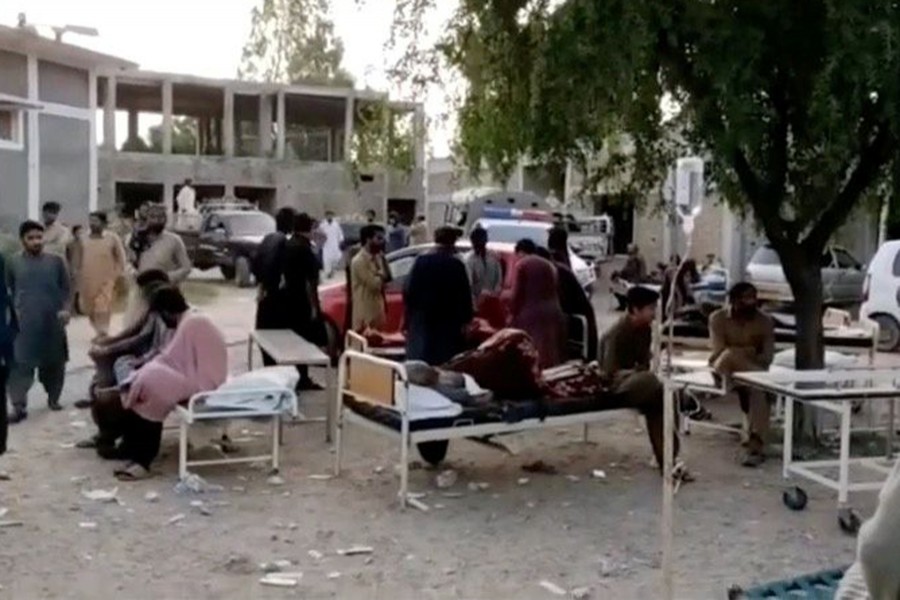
(8, 322)
(438, 304)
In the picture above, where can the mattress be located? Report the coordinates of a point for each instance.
(497, 411)
(784, 336)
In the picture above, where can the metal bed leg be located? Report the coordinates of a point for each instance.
(844, 475)
(586, 433)
(276, 442)
(404, 462)
(338, 440)
(788, 436)
(889, 440)
(329, 407)
(182, 449)
(250, 352)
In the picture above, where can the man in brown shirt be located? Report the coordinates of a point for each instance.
(625, 360)
(743, 339)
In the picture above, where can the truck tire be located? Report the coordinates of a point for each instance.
(227, 272)
(243, 275)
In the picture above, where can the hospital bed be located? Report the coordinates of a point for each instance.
(374, 393)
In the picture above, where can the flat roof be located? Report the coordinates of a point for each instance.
(153, 78)
(25, 41)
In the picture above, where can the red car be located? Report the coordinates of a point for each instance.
(334, 297)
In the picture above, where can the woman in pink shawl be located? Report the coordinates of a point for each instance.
(535, 304)
(196, 360)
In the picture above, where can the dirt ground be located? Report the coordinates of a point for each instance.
(581, 533)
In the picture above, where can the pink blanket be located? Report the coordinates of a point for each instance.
(196, 360)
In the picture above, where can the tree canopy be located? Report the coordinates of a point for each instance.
(293, 41)
(794, 105)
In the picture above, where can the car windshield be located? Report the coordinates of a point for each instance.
(513, 232)
(249, 224)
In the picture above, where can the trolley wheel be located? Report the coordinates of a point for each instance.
(795, 498)
(849, 521)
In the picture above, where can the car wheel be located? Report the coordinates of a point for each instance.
(242, 274)
(888, 332)
(227, 272)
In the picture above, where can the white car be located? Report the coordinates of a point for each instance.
(881, 294)
(842, 277)
(510, 231)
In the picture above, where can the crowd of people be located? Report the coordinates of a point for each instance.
(165, 351)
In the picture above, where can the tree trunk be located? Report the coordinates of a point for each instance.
(803, 272)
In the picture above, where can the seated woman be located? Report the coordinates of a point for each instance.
(196, 360)
(133, 346)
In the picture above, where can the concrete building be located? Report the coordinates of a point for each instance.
(48, 106)
(279, 145)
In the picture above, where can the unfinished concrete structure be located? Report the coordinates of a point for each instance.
(48, 108)
(279, 145)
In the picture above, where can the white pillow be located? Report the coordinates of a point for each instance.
(266, 377)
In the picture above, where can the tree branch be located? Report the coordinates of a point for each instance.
(872, 158)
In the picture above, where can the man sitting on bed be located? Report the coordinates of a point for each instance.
(743, 339)
(625, 359)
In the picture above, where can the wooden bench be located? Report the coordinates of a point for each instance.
(289, 349)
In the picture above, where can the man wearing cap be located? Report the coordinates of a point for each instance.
(438, 302)
(625, 360)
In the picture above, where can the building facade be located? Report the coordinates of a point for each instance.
(48, 108)
(278, 145)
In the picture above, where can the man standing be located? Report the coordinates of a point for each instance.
(438, 302)
(418, 233)
(162, 250)
(186, 200)
(8, 328)
(272, 307)
(635, 269)
(572, 298)
(743, 339)
(368, 274)
(625, 360)
(102, 263)
(334, 237)
(122, 223)
(485, 272)
(370, 216)
(396, 234)
(39, 283)
(56, 235)
(301, 285)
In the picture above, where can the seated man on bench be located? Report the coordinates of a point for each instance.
(625, 360)
(127, 350)
(743, 339)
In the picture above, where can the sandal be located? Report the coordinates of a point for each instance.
(131, 472)
(89, 443)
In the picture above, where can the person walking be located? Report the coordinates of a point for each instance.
(396, 234)
(418, 233)
(484, 268)
(438, 302)
(56, 235)
(102, 263)
(272, 309)
(334, 237)
(301, 284)
(40, 287)
(572, 298)
(368, 275)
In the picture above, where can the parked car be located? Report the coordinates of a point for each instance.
(333, 298)
(881, 294)
(227, 238)
(508, 226)
(842, 277)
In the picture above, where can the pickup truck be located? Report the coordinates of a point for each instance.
(227, 239)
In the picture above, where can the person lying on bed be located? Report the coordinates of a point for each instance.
(625, 360)
(135, 345)
(196, 360)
